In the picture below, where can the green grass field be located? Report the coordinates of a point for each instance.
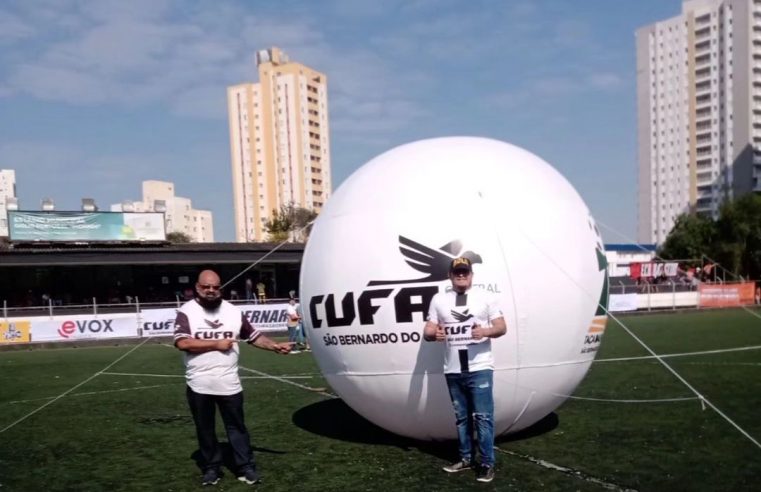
(121, 431)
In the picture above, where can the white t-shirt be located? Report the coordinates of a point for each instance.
(214, 372)
(457, 313)
(293, 315)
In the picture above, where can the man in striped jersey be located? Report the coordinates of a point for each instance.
(466, 320)
(207, 329)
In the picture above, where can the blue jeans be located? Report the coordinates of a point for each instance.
(473, 401)
(293, 333)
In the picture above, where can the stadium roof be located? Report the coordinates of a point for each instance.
(631, 248)
(175, 254)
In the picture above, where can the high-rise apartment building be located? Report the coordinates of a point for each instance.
(179, 214)
(279, 142)
(7, 194)
(699, 111)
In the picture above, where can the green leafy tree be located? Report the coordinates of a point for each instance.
(692, 237)
(739, 228)
(289, 223)
(734, 240)
(178, 238)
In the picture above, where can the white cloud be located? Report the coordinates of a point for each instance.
(135, 54)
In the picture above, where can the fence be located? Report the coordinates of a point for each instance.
(70, 323)
(675, 296)
(53, 309)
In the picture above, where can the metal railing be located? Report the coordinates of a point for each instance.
(56, 309)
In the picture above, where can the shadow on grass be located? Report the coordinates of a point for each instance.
(228, 461)
(547, 424)
(334, 419)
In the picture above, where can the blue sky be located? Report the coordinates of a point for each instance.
(97, 96)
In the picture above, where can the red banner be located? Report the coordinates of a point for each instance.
(726, 295)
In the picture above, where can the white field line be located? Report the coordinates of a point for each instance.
(287, 381)
(183, 376)
(10, 426)
(604, 400)
(683, 354)
(703, 400)
(566, 471)
(593, 296)
(92, 393)
(752, 313)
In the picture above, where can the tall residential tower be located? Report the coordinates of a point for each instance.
(279, 142)
(699, 111)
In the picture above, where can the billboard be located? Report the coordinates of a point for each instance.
(85, 226)
(14, 331)
(726, 295)
(83, 327)
(157, 322)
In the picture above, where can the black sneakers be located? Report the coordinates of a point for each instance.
(211, 477)
(249, 476)
(459, 466)
(485, 474)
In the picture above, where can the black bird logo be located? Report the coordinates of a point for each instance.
(434, 263)
(213, 324)
(461, 317)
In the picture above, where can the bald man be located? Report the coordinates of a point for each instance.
(207, 329)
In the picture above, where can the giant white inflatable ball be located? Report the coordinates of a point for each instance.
(380, 250)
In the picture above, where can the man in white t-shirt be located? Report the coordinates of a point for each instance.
(466, 320)
(292, 322)
(207, 329)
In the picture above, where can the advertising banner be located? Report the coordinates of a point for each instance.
(726, 295)
(157, 322)
(14, 331)
(85, 226)
(622, 302)
(266, 317)
(62, 328)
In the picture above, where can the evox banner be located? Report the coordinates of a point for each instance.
(61, 328)
(157, 322)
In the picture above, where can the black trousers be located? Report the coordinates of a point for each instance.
(203, 408)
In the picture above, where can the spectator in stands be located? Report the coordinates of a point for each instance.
(261, 290)
(758, 295)
(207, 329)
(466, 320)
(249, 289)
